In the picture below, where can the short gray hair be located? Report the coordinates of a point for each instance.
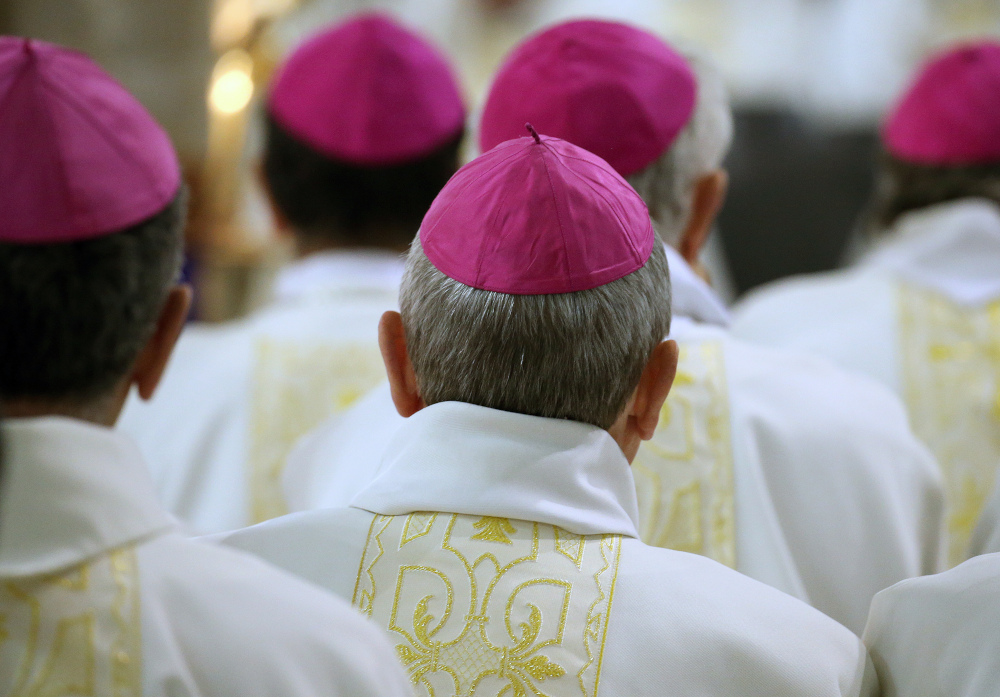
(576, 356)
(667, 185)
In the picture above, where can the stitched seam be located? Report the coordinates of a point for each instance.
(552, 188)
(487, 238)
(64, 179)
(604, 198)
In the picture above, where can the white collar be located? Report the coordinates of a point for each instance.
(333, 271)
(460, 458)
(71, 491)
(953, 248)
(690, 296)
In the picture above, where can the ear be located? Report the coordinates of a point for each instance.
(709, 194)
(152, 360)
(654, 386)
(402, 379)
(281, 224)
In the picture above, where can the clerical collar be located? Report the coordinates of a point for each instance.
(690, 296)
(460, 458)
(339, 270)
(953, 248)
(72, 490)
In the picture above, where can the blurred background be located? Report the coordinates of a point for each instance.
(809, 80)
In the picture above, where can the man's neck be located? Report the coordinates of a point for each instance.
(101, 411)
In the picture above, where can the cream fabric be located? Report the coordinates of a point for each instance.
(937, 636)
(921, 314)
(237, 397)
(500, 549)
(777, 464)
(100, 594)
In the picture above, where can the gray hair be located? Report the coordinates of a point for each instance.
(667, 185)
(576, 356)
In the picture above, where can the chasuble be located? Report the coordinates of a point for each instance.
(776, 464)
(936, 636)
(921, 314)
(500, 554)
(237, 397)
(101, 594)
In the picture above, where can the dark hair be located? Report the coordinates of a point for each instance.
(74, 316)
(903, 186)
(330, 201)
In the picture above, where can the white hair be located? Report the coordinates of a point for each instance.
(576, 356)
(667, 185)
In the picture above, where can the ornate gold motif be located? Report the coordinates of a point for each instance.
(527, 616)
(295, 387)
(494, 530)
(76, 633)
(684, 474)
(951, 375)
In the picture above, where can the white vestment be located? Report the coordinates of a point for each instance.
(937, 636)
(500, 552)
(101, 595)
(779, 465)
(237, 397)
(921, 314)
(986, 537)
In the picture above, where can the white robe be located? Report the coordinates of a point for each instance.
(986, 537)
(500, 550)
(101, 595)
(937, 636)
(921, 314)
(779, 465)
(237, 397)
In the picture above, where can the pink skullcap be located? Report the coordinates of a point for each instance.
(79, 156)
(368, 92)
(537, 216)
(619, 92)
(950, 116)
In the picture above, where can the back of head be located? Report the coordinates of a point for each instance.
(660, 119)
(536, 286)
(941, 141)
(364, 122)
(91, 220)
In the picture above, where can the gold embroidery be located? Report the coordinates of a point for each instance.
(494, 530)
(126, 649)
(417, 525)
(684, 474)
(69, 669)
(571, 545)
(528, 616)
(295, 387)
(951, 375)
(75, 633)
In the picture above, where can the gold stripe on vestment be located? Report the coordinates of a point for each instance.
(950, 358)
